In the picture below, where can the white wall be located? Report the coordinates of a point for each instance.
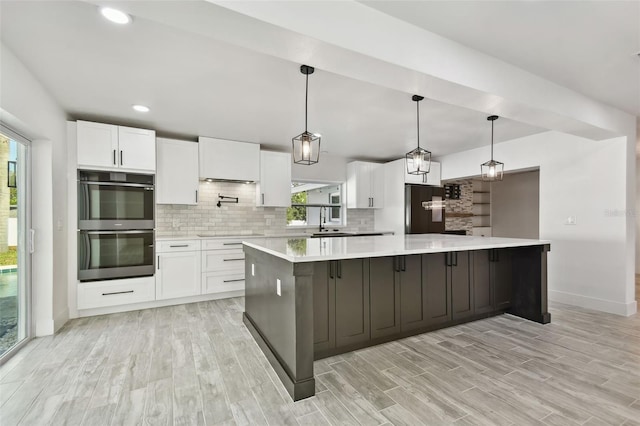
(588, 263)
(29, 109)
(330, 168)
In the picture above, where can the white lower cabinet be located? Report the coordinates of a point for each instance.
(222, 265)
(178, 269)
(100, 294)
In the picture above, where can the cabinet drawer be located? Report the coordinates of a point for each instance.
(222, 260)
(222, 244)
(215, 282)
(177, 245)
(115, 292)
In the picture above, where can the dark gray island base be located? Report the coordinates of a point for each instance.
(329, 307)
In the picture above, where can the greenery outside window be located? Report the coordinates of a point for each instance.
(312, 200)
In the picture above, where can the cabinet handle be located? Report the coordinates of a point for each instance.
(233, 281)
(117, 292)
(404, 263)
(231, 244)
(455, 258)
(158, 263)
(395, 264)
(339, 271)
(447, 259)
(114, 157)
(263, 198)
(121, 158)
(179, 245)
(331, 269)
(231, 260)
(196, 195)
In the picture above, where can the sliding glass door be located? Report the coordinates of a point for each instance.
(15, 265)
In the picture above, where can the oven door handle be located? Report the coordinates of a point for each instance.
(133, 185)
(117, 232)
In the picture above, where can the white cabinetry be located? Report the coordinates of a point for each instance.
(229, 160)
(101, 294)
(178, 269)
(177, 172)
(365, 185)
(222, 265)
(106, 146)
(274, 187)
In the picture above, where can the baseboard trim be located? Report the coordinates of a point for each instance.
(157, 304)
(609, 306)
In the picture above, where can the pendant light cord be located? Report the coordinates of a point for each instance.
(492, 139)
(418, 120)
(306, 101)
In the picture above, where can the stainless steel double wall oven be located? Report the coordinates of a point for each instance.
(115, 225)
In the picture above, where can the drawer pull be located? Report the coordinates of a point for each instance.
(231, 260)
(233, 281)
(117, 292)
(179, 245)
(231, 244)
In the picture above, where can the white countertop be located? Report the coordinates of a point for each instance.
(337, 248)
(205, 236)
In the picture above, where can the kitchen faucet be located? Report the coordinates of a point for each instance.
(322, 219)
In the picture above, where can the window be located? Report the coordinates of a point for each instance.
(311, 201)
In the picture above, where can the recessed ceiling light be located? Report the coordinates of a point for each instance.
(114, 15)
(140, 108)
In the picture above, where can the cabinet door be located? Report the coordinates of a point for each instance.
(137, 149)
(352, 302)
(482, 286)
(384, 294)
(178, 275)
(501, 275)
(324, 298)
(177, 172)
(274, 188)
(437, 288)
(377, 185)
(461, 285)
(97, 145)
(358, 185)
(413, 293)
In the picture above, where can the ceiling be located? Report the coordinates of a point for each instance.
(199, 86)
(591, 47)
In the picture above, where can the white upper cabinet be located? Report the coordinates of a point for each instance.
(177, 172)
(431, 178)
(274, 187)
(229, 160)
(365, 185)
(106, 146)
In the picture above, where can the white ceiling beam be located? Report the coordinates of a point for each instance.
(353, 40)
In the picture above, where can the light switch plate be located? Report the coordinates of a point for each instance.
(278, 287)
(571, 220)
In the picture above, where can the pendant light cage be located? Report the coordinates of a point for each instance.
(492, 170)
(306, 146)
(418, 160)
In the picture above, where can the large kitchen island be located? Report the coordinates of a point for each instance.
(307, 299)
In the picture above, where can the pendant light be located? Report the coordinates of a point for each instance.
(418, 160)
(306, 146)
(492, 170)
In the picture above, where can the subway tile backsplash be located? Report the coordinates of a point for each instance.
(243, 218)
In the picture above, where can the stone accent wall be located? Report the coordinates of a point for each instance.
(243, 218)
(463, 206)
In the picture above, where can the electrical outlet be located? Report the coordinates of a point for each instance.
(571, 220)
(253, 270)
(278, 287)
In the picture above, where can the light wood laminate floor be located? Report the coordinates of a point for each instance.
(197, 364)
